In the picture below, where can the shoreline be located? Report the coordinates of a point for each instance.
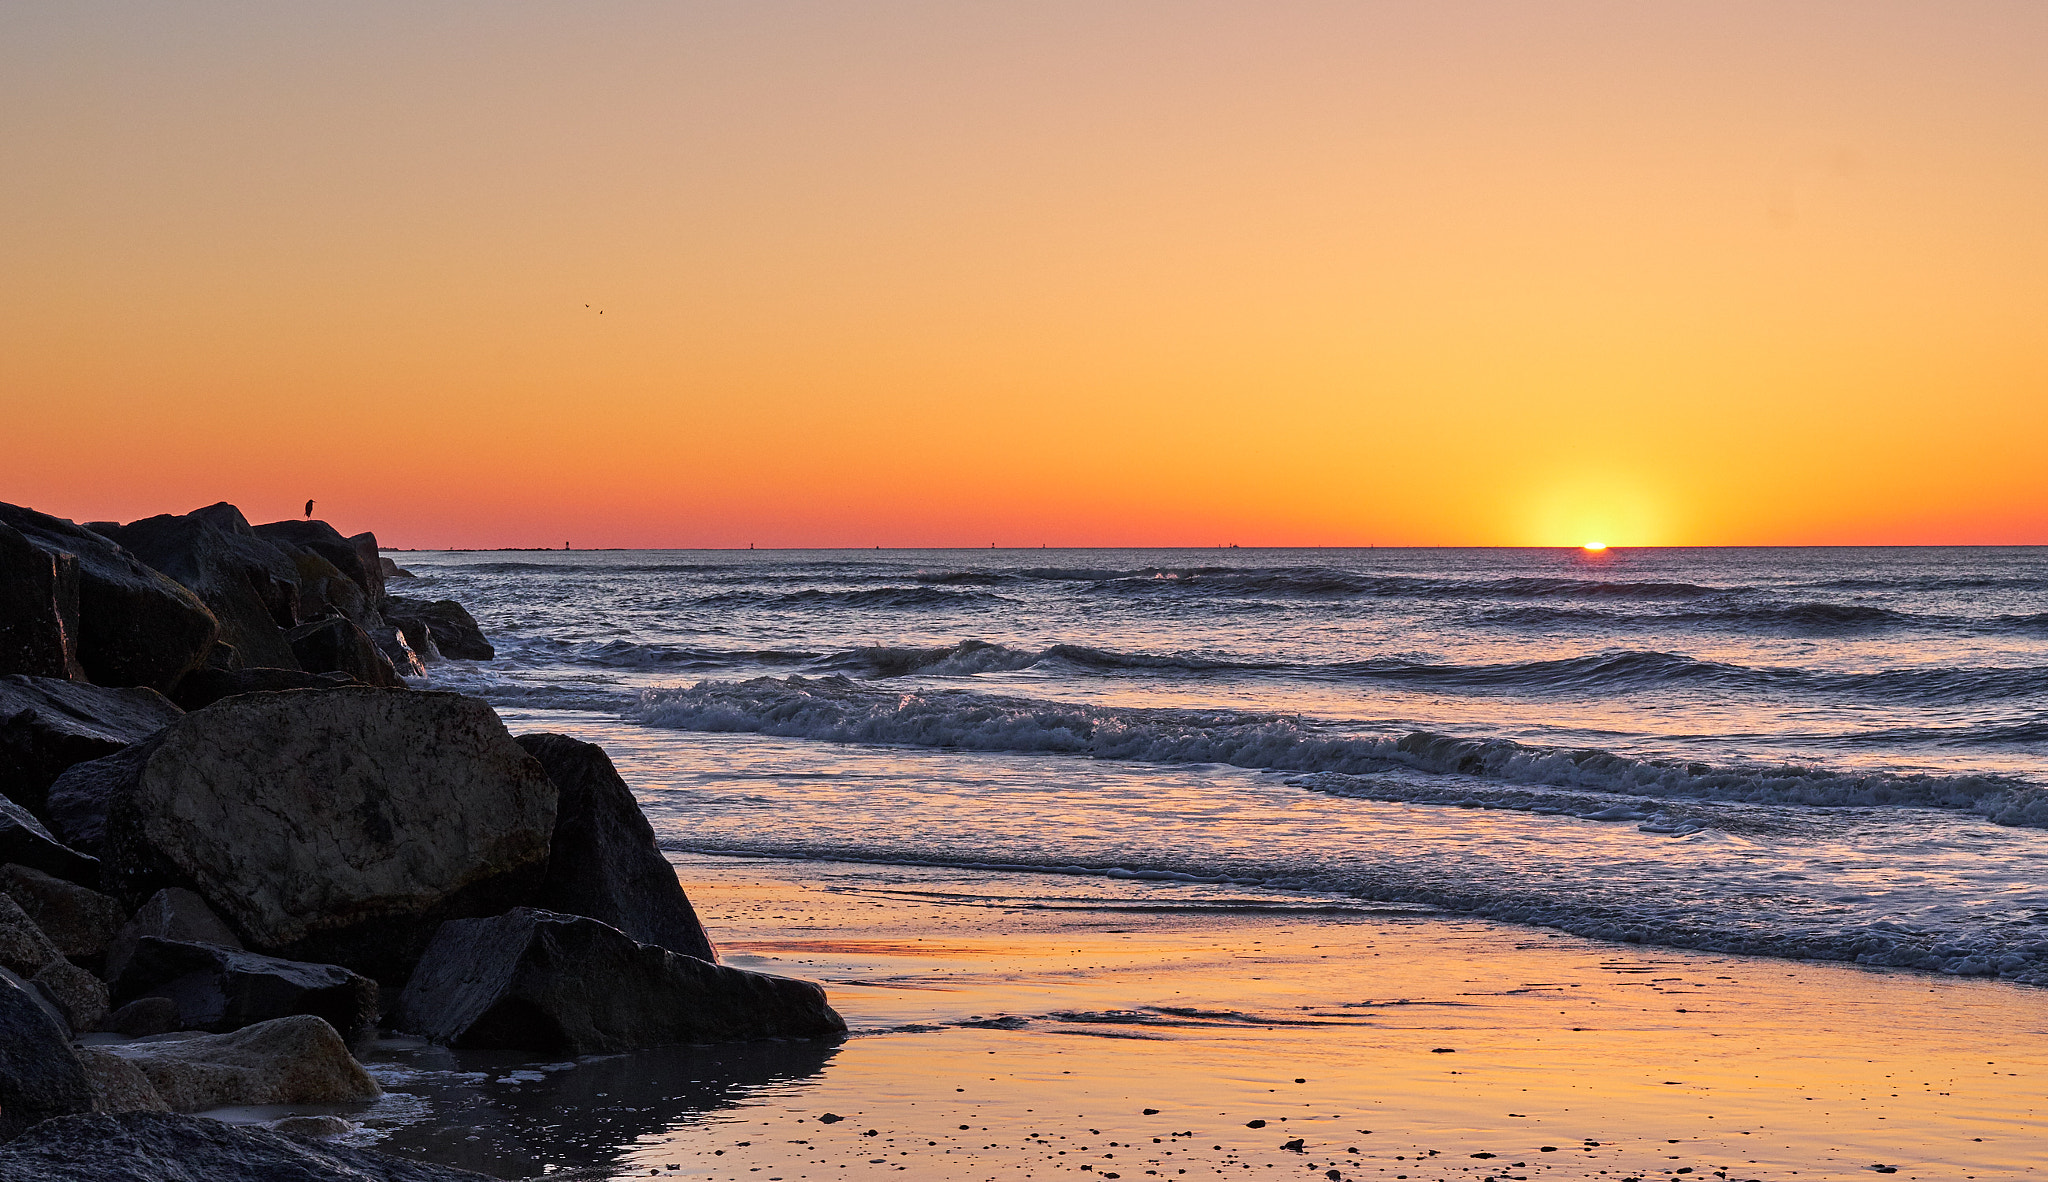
(1091, 1005)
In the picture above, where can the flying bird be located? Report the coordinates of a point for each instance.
(309, 508)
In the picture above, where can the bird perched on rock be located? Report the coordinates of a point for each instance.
(309, 508)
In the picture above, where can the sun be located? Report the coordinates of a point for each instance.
(1596, 546)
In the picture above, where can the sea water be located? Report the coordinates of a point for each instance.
(1833, 752)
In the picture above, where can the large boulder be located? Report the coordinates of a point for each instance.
(564, 984)
(47, 725)
(136, 626)
(38, 609)
(79, 921)
(355, 557)
(173, 913)
(77, 994)
(117, 1084)
(24, 949)
(603, 861)
(250, 585)
(392, 570)
(339, 826)
(204, 686)
(222, 989)
(40, 1077)
(453, 629)
(162, 1147)
(295, 1060)
(337, 645)
(24, 842)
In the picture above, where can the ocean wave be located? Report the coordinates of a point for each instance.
(979, 656)
(866, 597)
(839, 709)
(626, 654)
(1817, 617)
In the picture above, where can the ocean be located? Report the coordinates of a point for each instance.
(1833, 753)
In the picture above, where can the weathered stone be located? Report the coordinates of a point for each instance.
(144, 1016)
(80, 921)
(135, 625)
(163, 1147)
(47, 725)
(250, 585)
(603, 861)
(339, 826)
(563, 984)
(222, 989)
(454, 630)
(355, 557)
(173, 913)
(40, 1077)
(77, 994)
(38, 609)
(24, 948)
(311, 1128)
(337, 645)
(419, 637)
(392, 570)
(295, 1060)
(24, 842)
(117, 1084)
(390, 640)
(203, 687)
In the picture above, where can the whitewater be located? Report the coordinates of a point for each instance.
(1836, 753)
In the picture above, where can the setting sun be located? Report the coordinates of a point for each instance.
(1596, 545)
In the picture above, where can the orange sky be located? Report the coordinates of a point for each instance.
(1085, 274)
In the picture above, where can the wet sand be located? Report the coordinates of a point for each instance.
(1032, 1026)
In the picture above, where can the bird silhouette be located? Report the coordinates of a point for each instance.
(309, 508)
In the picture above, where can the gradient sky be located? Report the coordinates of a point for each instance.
(1077, 273)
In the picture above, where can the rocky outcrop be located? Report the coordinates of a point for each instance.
(24, 949)
(338, 826)
(79, 921)
(204, 686)
(38, 609)
(354, 557)
(161, 1147)
(454, 630)
(117, 1084)
(47, 725)
(296, 1060)
(40, 1077)
(563, 984)
(135, 625)
(392, 570)
(173, 913)
(143, 1017)
(250, 585)
(337, 645)
(391, 641)
(24, 842)
(78, 995)
(222, 989)
(603, 861)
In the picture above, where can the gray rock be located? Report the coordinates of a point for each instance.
(203, 687)
(24, 948)
(250, 585)
(295, 1060)
(390, 640)
(80, 921)
(603, 861)
(563, 984)
(117, 1084)
(355, 557)
(311, 1128)
(40, 1076)
(419, 637)
(135, 626)
(455, 631)
(77, 994)
(144, 1016)
(47, 725)
(24, 842)
(338, 826)
(221, 989)
(161, 1147)
(173, 913)
(392, 570)
(337, 645)
(38, 609)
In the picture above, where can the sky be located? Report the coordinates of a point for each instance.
(932, 274)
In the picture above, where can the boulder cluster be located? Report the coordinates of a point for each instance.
(234, 835)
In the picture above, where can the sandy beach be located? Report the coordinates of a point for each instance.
(1135, 1029)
